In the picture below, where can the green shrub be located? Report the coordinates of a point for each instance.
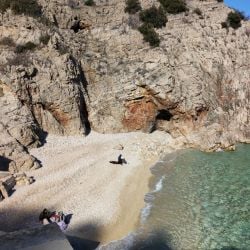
(132, 6)
(156, 16)
(174, 6)
(4, 5)
(224, 25)
(149, 34)
(198, 11)
(234, 19)
(23, 48)
(45, 39)
(7, 41)
(90, 2)
(27, 7)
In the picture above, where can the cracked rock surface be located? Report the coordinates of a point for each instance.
(94, 71)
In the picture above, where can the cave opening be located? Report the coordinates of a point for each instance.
(164, 114)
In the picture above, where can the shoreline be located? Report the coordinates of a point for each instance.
(128, 215)
(105, 199)
(77, 178)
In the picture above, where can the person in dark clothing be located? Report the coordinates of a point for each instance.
(45, 214)
(119, 161)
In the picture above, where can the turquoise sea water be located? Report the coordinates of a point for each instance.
(204, 201)
(198, 201)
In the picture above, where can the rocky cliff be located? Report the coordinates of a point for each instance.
(87, 67)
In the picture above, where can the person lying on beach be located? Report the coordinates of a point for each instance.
(119, 161)
(47, 217)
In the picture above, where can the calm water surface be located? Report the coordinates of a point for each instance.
(198, 201)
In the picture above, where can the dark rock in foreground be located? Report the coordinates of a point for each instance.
(44, 237)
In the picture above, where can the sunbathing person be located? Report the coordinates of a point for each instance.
(119, 161)
(47, 217)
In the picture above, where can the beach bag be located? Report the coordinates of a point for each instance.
(62, 225)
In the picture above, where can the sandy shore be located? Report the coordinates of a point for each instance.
(77, 178)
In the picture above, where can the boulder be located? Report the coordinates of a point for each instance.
(22, 179)
(6, 185)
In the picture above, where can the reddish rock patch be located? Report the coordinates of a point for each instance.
(139, 115)
(62, 117)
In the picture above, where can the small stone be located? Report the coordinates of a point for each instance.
(118, 147)
(31, 180)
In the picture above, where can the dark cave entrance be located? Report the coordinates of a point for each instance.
(164, 114)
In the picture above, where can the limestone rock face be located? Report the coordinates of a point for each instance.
(41, 89)
(48, 81)
(13, 155)
(196, 84)
(90, 68)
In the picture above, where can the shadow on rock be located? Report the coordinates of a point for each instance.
(42, 137)
(4, 163)
(84, 236)
(156, 240)
(68, 218)
(13, 219)
(82, 244)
